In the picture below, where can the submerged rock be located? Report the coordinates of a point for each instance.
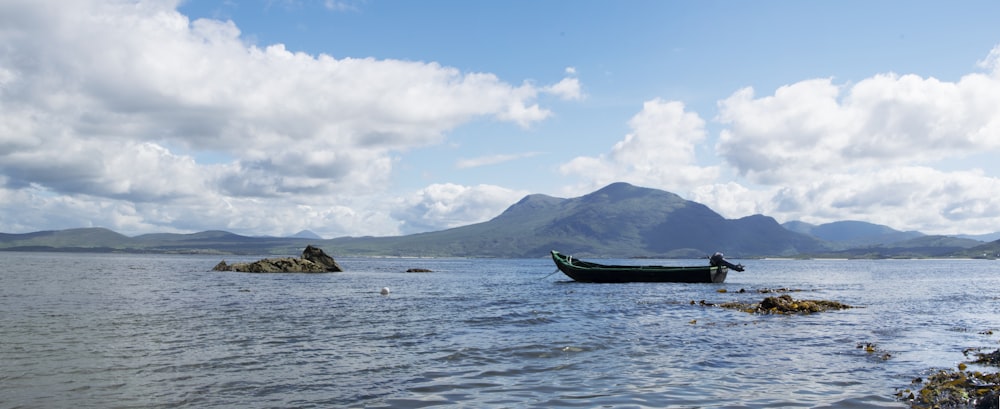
(991, 358)
(313, 260)
(874, 351)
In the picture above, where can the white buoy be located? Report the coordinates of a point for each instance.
(385, 290)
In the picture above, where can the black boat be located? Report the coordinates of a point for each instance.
(590, 272)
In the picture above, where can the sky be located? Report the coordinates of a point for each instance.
(382, 118)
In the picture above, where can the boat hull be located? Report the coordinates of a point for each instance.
(589, 272)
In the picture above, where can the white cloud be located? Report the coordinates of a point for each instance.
(885, 120)
(820, 152)
(659, 152)
(905, 198)
(442, 206)
(568, 88)
(26, 209)
(992, 61)
(492, 159)
(909, 198)
(111, 102)
(733, 200)
(336, 5)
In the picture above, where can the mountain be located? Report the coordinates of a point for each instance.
(987, 250)
(619, 220)
(981, 237)
(799, 227)
(923, 246)
(306, 234)
(852, 234)
(81, 239)
(104, 240)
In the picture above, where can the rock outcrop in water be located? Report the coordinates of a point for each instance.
(785, 304)
(313, 260)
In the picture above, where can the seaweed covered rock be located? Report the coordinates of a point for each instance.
(785, 304)
(313, 260)
(991, 358)
(961, 388)
(957, 389)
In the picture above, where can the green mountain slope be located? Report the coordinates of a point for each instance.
(82, 239)
(989, 250)
(619, 220)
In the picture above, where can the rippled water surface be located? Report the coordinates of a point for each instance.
(100, 330)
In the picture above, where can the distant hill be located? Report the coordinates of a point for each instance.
(81, 239)
(923, 246)
(981, 237)
(619, 221)
(985, 250)
(104, 240)
(852, 234)
(306, 234)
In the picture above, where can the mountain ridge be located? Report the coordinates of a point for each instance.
(847, 234)
(619, 221)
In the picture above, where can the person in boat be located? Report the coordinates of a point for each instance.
(718, 260)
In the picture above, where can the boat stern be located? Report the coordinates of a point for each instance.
(718, 274)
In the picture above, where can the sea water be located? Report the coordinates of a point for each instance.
(110, 330)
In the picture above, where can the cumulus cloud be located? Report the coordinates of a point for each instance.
(568, 88)
(442, 206)
(821, 152)
(906, 197)
(732, 199)
(815, 126)
(659, 152)
(110, 99)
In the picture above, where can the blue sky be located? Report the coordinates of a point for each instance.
(394, 117)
